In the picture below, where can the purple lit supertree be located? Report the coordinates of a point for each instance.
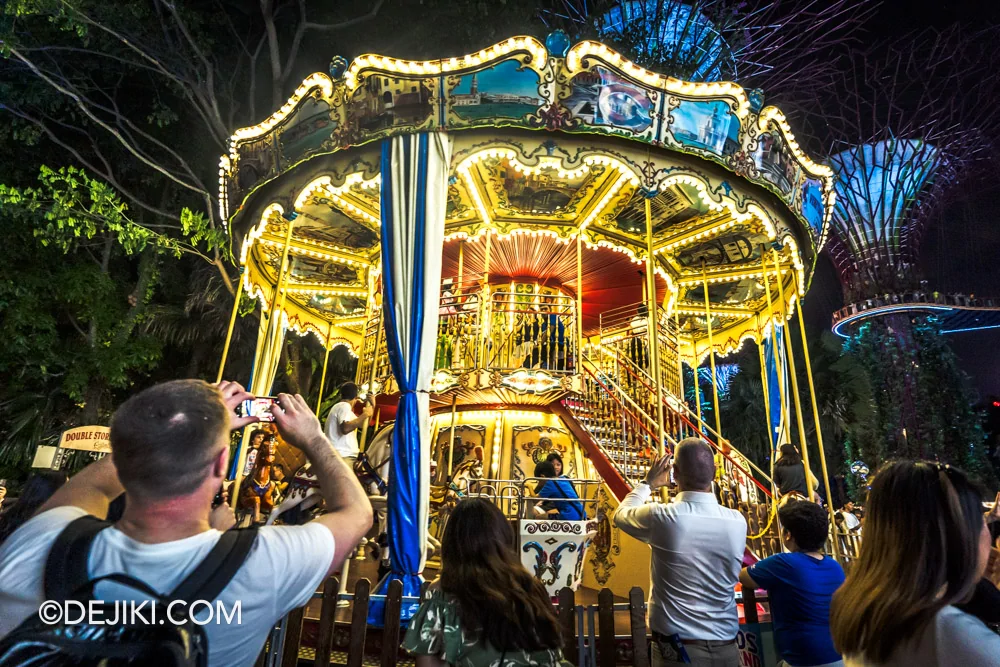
(906, 129)
(914, 123)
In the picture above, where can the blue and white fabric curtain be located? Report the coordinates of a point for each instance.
(414, 195)
(777, 387)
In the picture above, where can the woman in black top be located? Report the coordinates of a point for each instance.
(789, 472)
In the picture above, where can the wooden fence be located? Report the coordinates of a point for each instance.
(591, 636)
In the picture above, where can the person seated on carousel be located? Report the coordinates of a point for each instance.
(486, 609)
(565, 504)
(253, 449)
(555, 458)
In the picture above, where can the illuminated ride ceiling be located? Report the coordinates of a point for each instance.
(726, 184)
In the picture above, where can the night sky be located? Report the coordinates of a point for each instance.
(960, 251)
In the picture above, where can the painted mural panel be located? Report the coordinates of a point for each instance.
(305, 269)
(321, 221)
(739, 246)
(309, 128)
(541, 192)
(705, 125)
(506, 90)
(384, 101)
(600, 97)
(775, 161)
(470, 443)
(810, 204)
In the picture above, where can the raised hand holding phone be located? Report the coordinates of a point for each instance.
(233, 394)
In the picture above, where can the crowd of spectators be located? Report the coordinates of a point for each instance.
(919, 592)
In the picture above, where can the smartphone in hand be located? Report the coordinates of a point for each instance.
(259, 407)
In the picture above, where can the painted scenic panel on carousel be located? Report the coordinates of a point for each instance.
(738, 246)
(602, 98)
(774, 161)
(506, 90)
(740, 291)
(383, 102)
(320, 221)
(677, 204)
(306, 132)
(258, 161)
(309, 269)
(470, 443)
(531, 444)
(704, 125)
(537, 193)
(459, 205)
(810, 205)
(336, 305)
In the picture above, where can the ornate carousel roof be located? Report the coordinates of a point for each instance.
(548, 145)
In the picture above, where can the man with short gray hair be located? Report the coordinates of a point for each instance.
(697, 551)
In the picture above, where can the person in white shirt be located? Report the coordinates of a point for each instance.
(851, 520)
(697, 551)
(169, 455)
(342, 425)
(925, 549)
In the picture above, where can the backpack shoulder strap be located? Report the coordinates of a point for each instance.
(215, 572)
(66, 565)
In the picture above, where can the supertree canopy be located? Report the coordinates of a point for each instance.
(878, 187)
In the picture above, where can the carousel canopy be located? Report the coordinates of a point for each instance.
(548, 145)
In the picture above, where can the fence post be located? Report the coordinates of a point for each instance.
(606, 626)
(567, 611)
(359, 624)
(293, 632)
(637, 621)
(324, 638)
(750, 605)
(390, 631)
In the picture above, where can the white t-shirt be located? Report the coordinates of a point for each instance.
(952, 638)
(346, 445)
(285, 567)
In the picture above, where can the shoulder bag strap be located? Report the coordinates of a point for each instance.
(66, 565)
(220, 565)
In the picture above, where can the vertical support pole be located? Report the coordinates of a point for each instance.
(680, 362)
(652, 326)
(451, 447)
(711, 358)
(789, 354)
(278, 302)
(371, 376)
(485, 307)
(815, 411)
(326, 360)
(461, 263)
(232, 325)
(697, 385)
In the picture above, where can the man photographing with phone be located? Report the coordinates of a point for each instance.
(170, 454)
(342, 424)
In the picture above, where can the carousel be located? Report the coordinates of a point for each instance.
(523, 247)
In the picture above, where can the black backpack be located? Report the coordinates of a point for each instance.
(163, 644)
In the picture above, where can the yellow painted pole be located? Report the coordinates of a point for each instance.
(815, 410)
(791, 367)
(711, 358)
(326, 359)
(652, 326)
(579, 302)
(279, 295)
(680, 362)
(232, 325)
(697, 385)
(461, 264)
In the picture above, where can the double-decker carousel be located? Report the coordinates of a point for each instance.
(523, 246)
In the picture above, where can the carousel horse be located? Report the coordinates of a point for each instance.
(257, 494)
(446, 497)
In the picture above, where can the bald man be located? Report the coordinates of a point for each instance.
(697, 551)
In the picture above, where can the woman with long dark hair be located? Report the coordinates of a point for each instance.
(790, 472)
(925, 548)
(39, 488)
(485, 609)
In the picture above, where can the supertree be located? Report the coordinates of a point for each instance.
(915, 122)
(781, 47)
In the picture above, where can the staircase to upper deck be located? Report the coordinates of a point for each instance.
(615, 419)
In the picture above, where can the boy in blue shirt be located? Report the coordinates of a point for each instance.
(799, 586)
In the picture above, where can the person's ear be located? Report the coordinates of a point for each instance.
(221, 464)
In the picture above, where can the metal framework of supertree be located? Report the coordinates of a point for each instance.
(779, 47)
(915, 119)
